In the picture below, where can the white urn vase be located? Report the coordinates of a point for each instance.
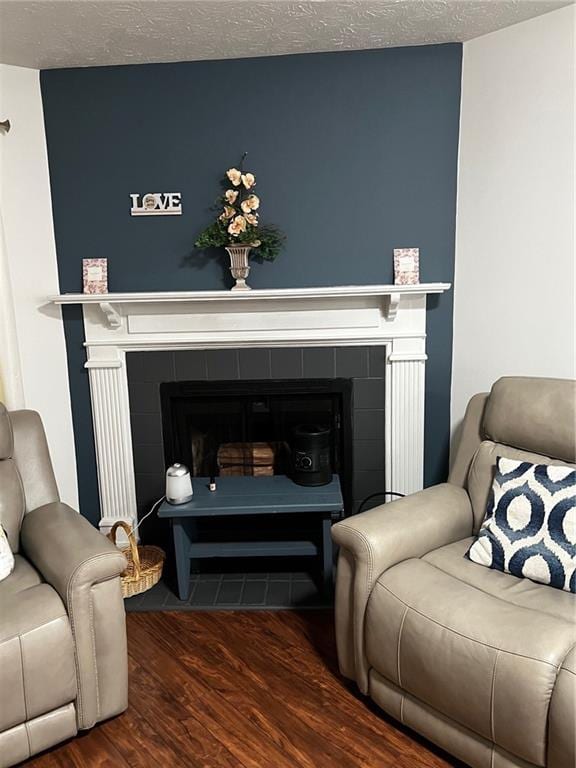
(239, 266)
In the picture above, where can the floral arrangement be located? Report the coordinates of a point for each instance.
(238, 222)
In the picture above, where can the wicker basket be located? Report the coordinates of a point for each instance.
(144, 563)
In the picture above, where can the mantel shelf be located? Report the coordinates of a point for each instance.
(110, 303)
(266, 294)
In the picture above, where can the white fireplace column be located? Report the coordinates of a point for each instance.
(404, 449)
(390, 316)
(112, 436)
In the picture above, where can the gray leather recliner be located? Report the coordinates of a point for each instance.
(63, 657)
(480, 662)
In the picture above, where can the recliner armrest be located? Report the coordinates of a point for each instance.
(67, 550)
(84, 568)
(378, 539)
(408, 527)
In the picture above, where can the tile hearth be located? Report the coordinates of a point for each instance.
(235, 591)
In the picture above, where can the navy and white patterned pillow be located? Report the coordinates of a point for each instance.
(530, 524)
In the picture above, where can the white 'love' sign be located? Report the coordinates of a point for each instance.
(156, 204)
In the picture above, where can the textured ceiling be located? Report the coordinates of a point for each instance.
(82, 33)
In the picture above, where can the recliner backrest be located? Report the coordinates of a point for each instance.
(527, 419)
(26, 476)
(533, 414)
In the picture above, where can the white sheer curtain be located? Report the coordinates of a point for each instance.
(11, 389)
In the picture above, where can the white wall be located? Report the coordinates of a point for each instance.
(514, 310)
(29, 263)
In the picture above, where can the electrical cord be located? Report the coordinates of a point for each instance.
(153, 509)
(373, 496)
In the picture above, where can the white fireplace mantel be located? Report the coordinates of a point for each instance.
(111, 303)
(393, 316)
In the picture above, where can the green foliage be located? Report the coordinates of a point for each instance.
(237, 222)
(214, 236)
(271, 242)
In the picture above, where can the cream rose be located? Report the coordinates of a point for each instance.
(237, 226)
(251, 218)
(228, 213)
(250, 204)
(234, 175)
(231, 195)
(248, 179)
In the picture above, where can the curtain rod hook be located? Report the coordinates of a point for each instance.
(5, 125)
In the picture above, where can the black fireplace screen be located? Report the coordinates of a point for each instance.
(199, 417)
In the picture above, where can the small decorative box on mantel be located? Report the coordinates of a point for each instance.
(95, 275)
(406, 266)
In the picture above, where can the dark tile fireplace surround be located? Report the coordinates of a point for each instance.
(362, 475)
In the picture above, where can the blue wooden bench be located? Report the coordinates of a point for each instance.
(239, 496)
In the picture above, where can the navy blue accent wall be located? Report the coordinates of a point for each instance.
(355, 154)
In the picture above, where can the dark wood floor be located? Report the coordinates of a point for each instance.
(241, 690)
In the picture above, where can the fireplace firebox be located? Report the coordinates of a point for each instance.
(199, 418)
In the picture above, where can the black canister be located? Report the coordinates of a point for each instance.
(311, 455)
